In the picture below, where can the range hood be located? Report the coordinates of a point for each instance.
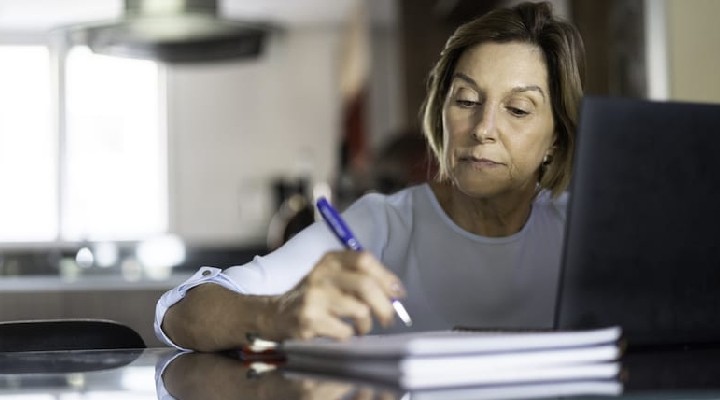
(176, 31)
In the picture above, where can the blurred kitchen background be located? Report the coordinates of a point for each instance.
(127, 162)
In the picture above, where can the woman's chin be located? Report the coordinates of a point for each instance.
(477, 187)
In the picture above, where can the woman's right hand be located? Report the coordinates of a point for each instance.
(337, 299)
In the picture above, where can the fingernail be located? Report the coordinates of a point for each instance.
(398, 289)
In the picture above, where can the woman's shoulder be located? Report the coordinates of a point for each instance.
(374, 217)
(400, 200)
(389, 210)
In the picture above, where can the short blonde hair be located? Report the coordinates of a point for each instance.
(564, 55)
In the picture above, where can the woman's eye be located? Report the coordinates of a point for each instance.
(466, 103)
(518, 112)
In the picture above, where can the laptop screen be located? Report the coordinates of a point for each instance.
(642, 244)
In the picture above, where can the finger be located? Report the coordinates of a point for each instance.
(360, 274)
(389, 282)
(351, 307)
(387, 395)
(305, 313)
(365, 263)
(333, 261)
(368, 291)
(364, 393)
(330, 390)
(332, 327)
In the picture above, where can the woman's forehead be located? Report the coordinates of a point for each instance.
(513, 63)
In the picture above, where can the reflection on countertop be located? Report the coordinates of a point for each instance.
(98, 374)
(53, 283)
(115, 281)
(91, 263)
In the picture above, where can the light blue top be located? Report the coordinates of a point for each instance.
(452, 277)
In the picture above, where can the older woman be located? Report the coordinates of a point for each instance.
(478, 246)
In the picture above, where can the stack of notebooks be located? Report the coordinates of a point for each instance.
(463, 359)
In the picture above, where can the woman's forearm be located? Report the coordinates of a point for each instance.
(212, 318)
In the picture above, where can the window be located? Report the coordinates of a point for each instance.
(111, 172)
(28, 149)
(115, 155)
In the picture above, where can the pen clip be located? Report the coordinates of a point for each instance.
(337, 225)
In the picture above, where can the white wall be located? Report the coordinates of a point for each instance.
(693, 50)
(234, 126)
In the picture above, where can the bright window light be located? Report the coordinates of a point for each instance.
(28, 149)
(116, 185)
(115, 159)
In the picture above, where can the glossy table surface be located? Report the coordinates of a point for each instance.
(166, 374)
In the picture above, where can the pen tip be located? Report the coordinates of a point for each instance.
(402, 313)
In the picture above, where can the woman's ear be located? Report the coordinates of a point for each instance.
(549, 154)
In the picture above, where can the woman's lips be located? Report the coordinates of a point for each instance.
(480, 162)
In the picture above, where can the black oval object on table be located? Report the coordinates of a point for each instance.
(79, 345)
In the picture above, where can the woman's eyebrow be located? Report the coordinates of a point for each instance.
(529, 88)
(518, 89)
(471, 81)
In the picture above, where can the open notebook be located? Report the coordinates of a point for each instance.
(451, 358)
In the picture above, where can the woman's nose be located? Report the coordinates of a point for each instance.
(484, 129)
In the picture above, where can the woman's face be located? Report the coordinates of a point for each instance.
(497, 119)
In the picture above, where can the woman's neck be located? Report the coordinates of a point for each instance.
(497, 216)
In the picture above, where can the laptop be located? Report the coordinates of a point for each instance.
(642, 244)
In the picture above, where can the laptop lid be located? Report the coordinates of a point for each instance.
(642, 244)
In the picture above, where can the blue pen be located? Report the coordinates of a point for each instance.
(344, 234)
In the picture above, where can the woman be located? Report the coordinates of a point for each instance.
(478, 246)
